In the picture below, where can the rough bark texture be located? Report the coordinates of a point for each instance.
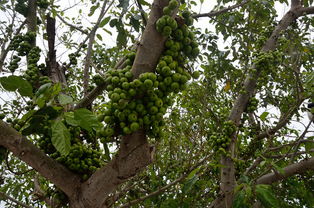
(29, 153)
(55, 71)
(32, 18)
(290, 170)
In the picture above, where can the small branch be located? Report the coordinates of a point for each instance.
(161, 190)
(71, 25)
(142, 12)
(90, 47)
(223, 10)
(4, 195)
(290, 170)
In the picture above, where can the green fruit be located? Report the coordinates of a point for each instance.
(108, 131)
(167, 59)
(178, 34)
(173, 4)
(186, 14)
(148, 84)
(108, 119)
(153, 110)
(125, 85)
(196, 74)
(166, 71)
(162, 63)
(195, 52)
(168, 81)
(169, 43)
(158, 103)
(127, 130)
(140, 108)
(115, 97)
(166, 31)
(132, 117)
(137, 83)
(152, 76)
(175, 86)
(166, 10)
(115, 80)
(128, 75)
(134, 126)
(132, 92)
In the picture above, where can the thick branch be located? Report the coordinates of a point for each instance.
(222, 11)
(32, 19)
(29, 153)
(290, 170)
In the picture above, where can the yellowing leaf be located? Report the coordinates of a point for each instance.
(227, 86)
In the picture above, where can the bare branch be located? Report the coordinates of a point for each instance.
(90, 47)
(290, 170)
(4, 195)
(223, 10)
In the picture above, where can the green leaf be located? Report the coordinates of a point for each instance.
(134, 21)
(99, 37)
(192, 174)
(86, 119)
(61, 137)
(121, 38)
(64, 99)
(264, 115)
(266, 196)
(309, 145)
(13, 83)
(123, 4)
(93, 9)
(69, 118)
(104, 21)
(189, 184)
(240, 200)
(144, 3)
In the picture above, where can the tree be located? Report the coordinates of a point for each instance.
(124, 125)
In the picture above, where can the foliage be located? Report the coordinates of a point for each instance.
(189, 121)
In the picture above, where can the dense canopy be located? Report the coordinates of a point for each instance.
(156, 103)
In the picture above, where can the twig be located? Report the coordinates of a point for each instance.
(4, 195)
(224, 10)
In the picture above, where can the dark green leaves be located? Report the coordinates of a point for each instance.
(104, 21)
(266, 196)
(64, 99)
(86, 119)
(61, 138)
(13, 83)
(240, 200)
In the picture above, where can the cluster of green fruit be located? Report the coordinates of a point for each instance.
(252, 105)
(220, 141)
(73, 58)
(134, 104)
(181, 38)
(82, 158)
(21, 43)
(267, 60)
(14, 64)
(32, 74)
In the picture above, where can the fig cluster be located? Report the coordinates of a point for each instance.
(221, 140)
